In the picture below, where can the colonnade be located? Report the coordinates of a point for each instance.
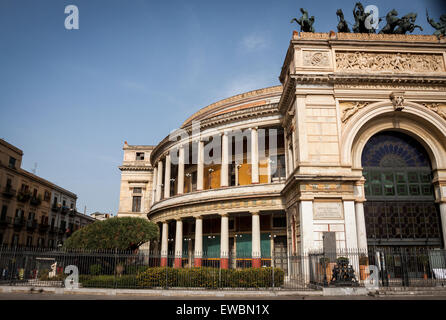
(198, 248)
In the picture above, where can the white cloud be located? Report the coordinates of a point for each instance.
(246, 83)
(253, 41)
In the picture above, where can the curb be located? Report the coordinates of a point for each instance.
(156, 292)
(217, 293)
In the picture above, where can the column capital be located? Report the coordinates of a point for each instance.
(178, 219)
(223, 214)
(198, 216)
(254, 213)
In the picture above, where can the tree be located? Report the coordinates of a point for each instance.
(115, 233)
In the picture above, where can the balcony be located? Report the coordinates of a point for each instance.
(55, 207)
(31, 224)
(43, 227)
(53, 229)
(36, 201)
(19, 222)
(72, 212)
(61, 230)
(4, 221)
(8, 191)
(24, 196)
(64, 210)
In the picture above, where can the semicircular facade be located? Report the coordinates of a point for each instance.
(342, 155)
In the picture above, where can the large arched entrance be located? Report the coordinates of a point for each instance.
(400, 209)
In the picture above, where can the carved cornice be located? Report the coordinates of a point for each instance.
(234, 116)
(135, 168)
(365, 37)
(287, 95)
(237, 98)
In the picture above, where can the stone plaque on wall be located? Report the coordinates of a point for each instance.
(327, 210)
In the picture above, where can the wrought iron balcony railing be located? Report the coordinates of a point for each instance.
(19, 222)
(36, 201)
(31, 224)
(8, 191)
(4, 221)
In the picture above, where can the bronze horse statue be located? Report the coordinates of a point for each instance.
(342, 25)
(306, 24)
(392, 21)
(407, 24)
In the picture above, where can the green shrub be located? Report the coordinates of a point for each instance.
(45, 276)
(132, 269)
(108, 281)
(95, 269)
(210, 277)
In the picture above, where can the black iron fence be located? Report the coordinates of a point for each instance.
(398, 268)
(386, 268)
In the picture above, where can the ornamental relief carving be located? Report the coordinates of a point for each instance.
(348, 109)
(392, 62)
(316, 59)
(438, 108)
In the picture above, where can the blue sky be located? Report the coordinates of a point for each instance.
(135, 70)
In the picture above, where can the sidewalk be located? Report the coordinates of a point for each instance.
(437, 291)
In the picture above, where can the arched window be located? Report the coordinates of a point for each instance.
(400, 207)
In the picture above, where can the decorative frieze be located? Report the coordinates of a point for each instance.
(316, 58)
(217, 207)
(390, 62)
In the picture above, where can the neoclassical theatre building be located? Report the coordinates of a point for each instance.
(348, 152)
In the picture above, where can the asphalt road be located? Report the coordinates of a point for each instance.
(51, 296)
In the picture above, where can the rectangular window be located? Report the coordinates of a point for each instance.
(46, 196)
(279, 221)
(12, 162)
(137, 190)
(136, 206)
(4, 213)
(140, 156)
(29, 241)
(15, 239)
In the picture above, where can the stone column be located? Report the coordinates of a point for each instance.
(167, 177)
(154, 184)
(351, 237)
(224, 241)
(159, 180)
(306, 225)
(198, 241)
(164, 244)
(286, 155)
(254, 156)
(360, 227)
(224, 179)
(180, 178)
(256, 252)
(178, 244)
(200, 165)
(443, 221)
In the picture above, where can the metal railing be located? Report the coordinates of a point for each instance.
(400, 268)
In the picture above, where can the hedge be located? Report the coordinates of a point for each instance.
(108, 281)
(210, 277)
(155, 277)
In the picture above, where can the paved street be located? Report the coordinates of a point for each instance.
(51, 296)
